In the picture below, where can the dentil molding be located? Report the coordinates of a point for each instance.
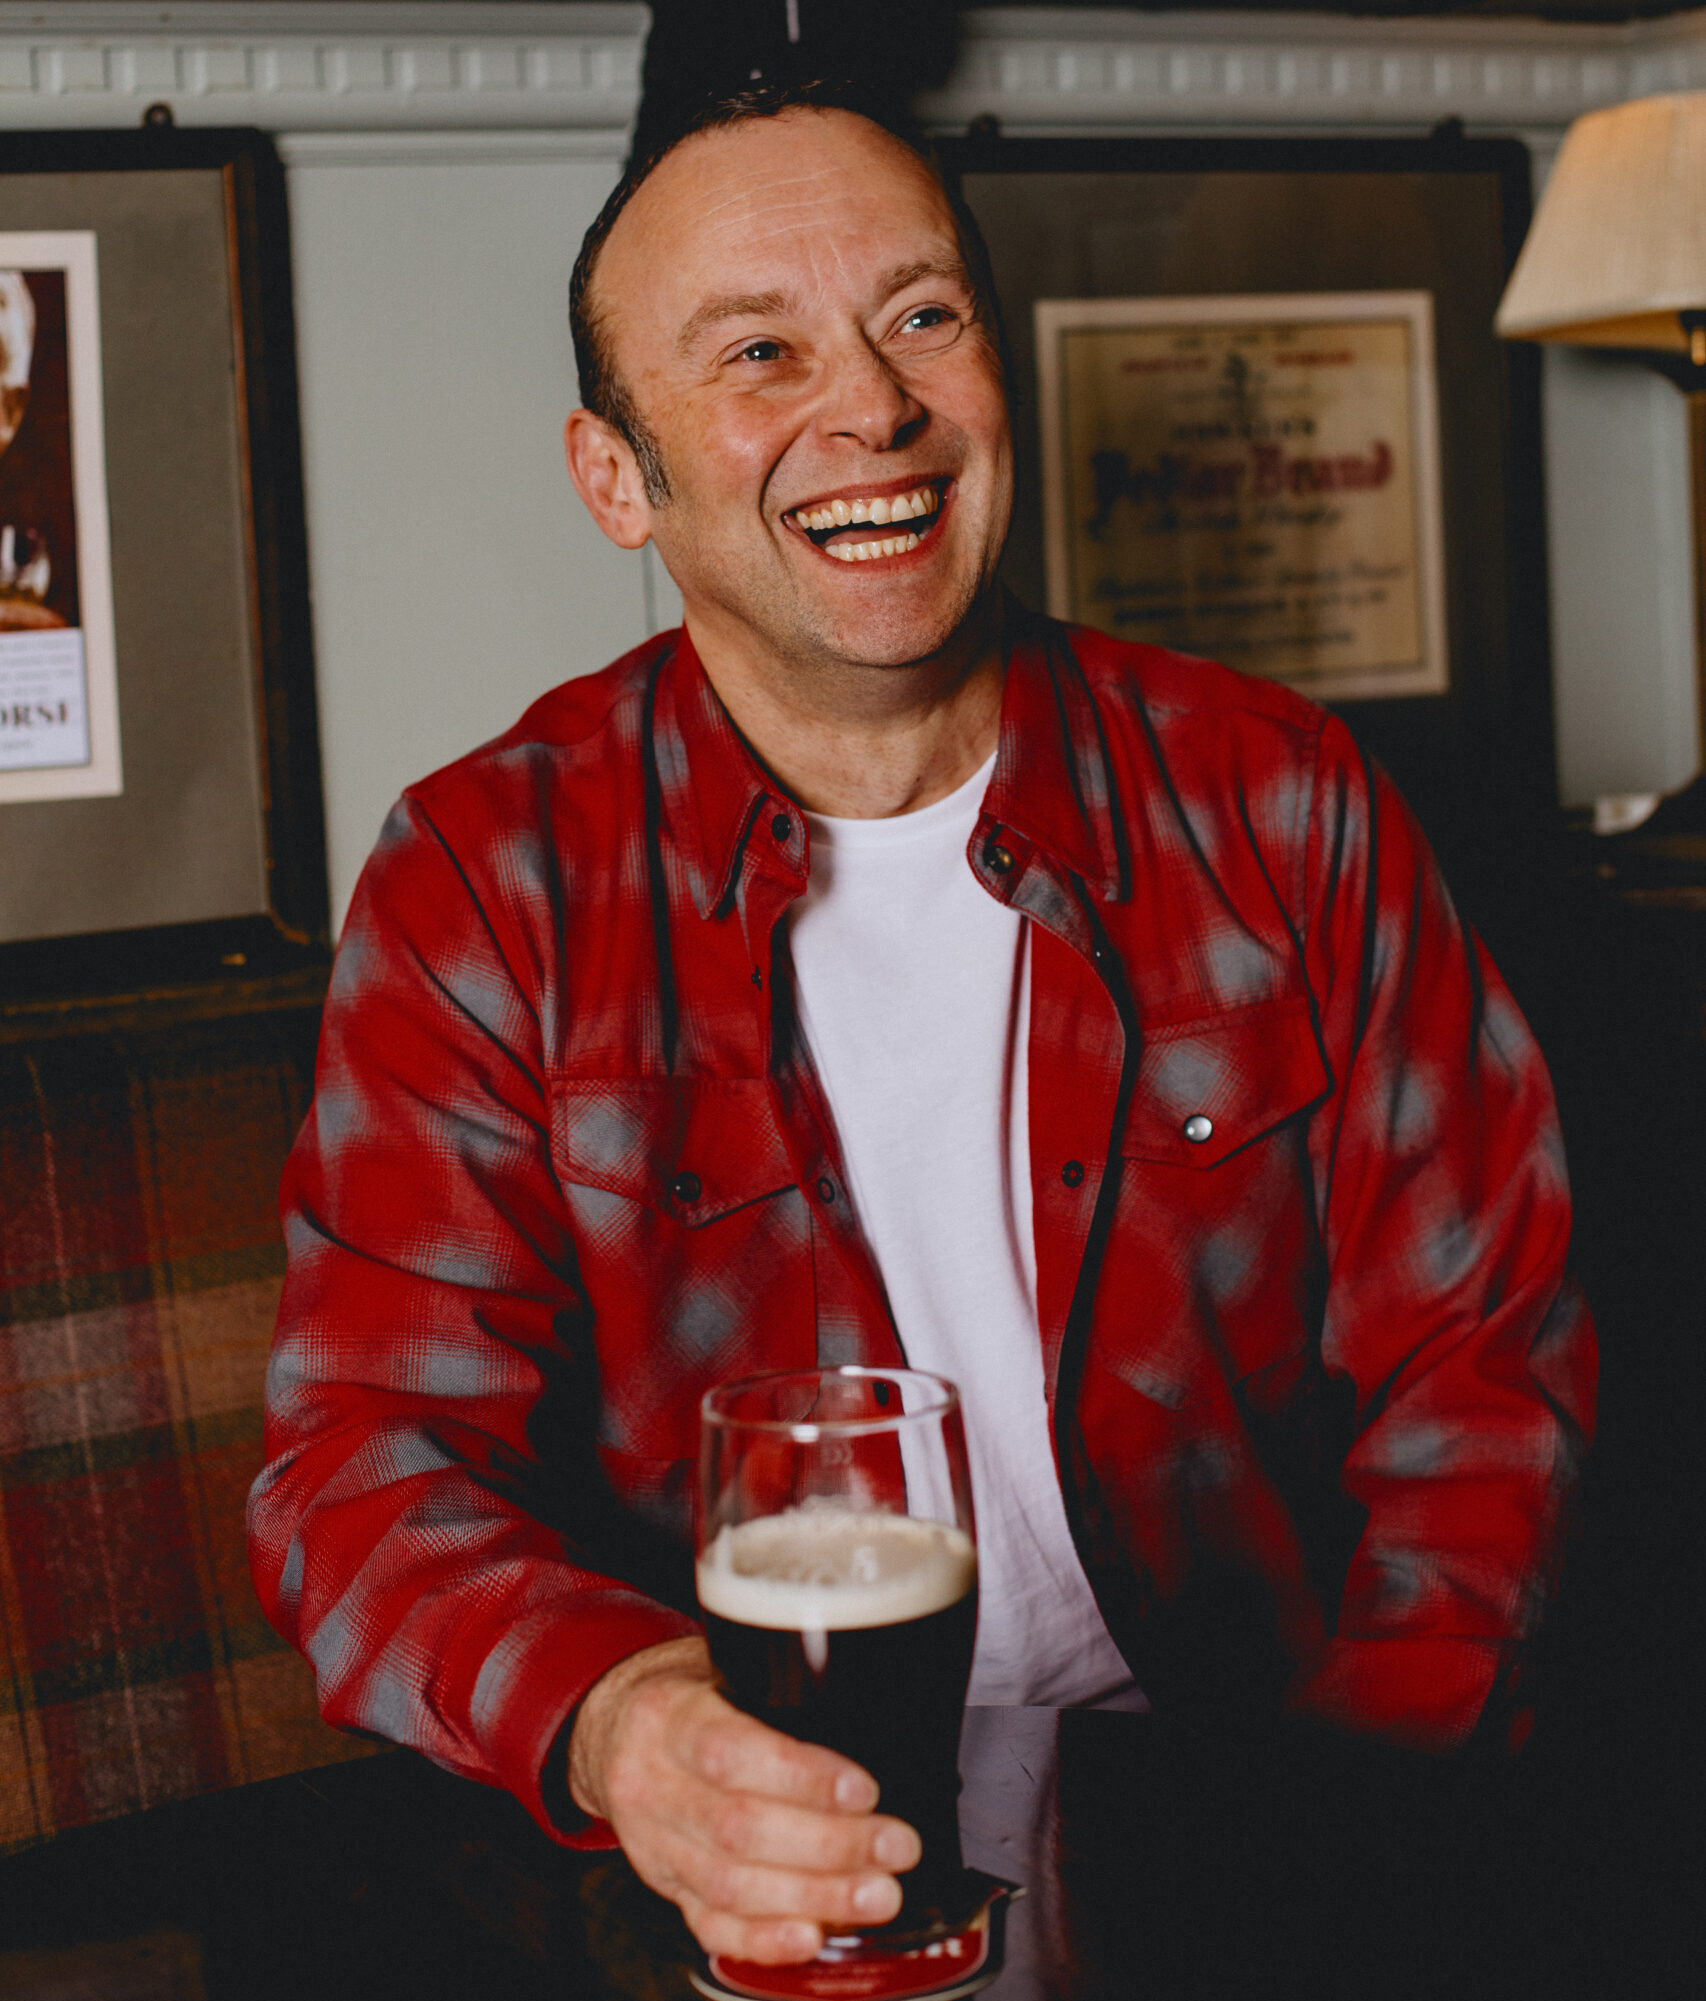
(371, 75)
(1088, 69)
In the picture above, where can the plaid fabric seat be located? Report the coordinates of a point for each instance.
(140, 1262)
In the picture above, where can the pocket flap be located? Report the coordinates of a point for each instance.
(1206, 1088)
(694, 1148)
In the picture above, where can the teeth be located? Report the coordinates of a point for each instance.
(881, 513)
(868, 552)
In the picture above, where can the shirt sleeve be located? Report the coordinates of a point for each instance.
(1441, 1185)
(402, 1533)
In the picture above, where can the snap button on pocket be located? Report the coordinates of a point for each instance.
(1207, 1089)
(633, 1137)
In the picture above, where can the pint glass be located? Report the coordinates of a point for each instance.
(837, 1572)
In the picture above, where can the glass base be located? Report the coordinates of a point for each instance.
(950, 1959)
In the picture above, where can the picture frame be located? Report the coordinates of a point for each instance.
(1254, 479)
(58, 691)
(1089, 219)
(198, 859)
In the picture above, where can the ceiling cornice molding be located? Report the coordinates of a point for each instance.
(1099, 69)
(362, 66)
(419, 66)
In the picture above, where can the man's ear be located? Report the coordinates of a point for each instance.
(607, 477)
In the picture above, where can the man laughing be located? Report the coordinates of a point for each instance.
(873, 971)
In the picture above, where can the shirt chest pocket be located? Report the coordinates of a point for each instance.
(1207, 1266)
(691, 1149)
(1208, 1089)
(693, 1248)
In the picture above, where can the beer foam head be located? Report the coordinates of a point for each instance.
(831, 1571)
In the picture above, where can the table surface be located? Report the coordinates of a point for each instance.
(1156, 1865)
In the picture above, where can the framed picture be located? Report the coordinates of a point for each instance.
(58, 699)
(1201, 262)
(1253, 479)
(160, 809)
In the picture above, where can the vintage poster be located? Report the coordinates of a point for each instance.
(1252, 479)
(59, 722)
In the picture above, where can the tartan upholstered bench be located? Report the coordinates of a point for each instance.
(140, 1260)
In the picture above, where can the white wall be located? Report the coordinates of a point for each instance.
(456, 575)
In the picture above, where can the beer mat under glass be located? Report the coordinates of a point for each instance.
(859, 1967)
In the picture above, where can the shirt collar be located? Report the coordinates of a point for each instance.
(711, 786)
(1052, 785)
(1052, 781)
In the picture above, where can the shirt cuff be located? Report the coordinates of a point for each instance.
(1425, 1692)
(537, 1677)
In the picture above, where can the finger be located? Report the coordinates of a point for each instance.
(769, 1941)
(754, 1828)
(722, 1882)
(740, 1754)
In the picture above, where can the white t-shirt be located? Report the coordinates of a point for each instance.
(913, 987)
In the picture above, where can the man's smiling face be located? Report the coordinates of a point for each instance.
(787, 303)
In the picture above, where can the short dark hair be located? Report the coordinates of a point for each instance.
(602, 389)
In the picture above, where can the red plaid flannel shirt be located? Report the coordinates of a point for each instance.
(1316, 1381)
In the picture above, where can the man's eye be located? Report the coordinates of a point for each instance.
(929, 326)
(760, 350)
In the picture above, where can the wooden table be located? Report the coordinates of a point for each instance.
(1157, 1867)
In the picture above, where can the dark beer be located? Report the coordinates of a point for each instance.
(855, 1631)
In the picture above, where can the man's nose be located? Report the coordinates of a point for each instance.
(865, 399)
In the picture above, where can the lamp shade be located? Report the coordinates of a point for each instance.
(1618, 245)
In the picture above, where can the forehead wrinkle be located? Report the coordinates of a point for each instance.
(744, 206)
(780, 186)
(740, 211)
(800, 179)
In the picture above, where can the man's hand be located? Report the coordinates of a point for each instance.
(762, 1841)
